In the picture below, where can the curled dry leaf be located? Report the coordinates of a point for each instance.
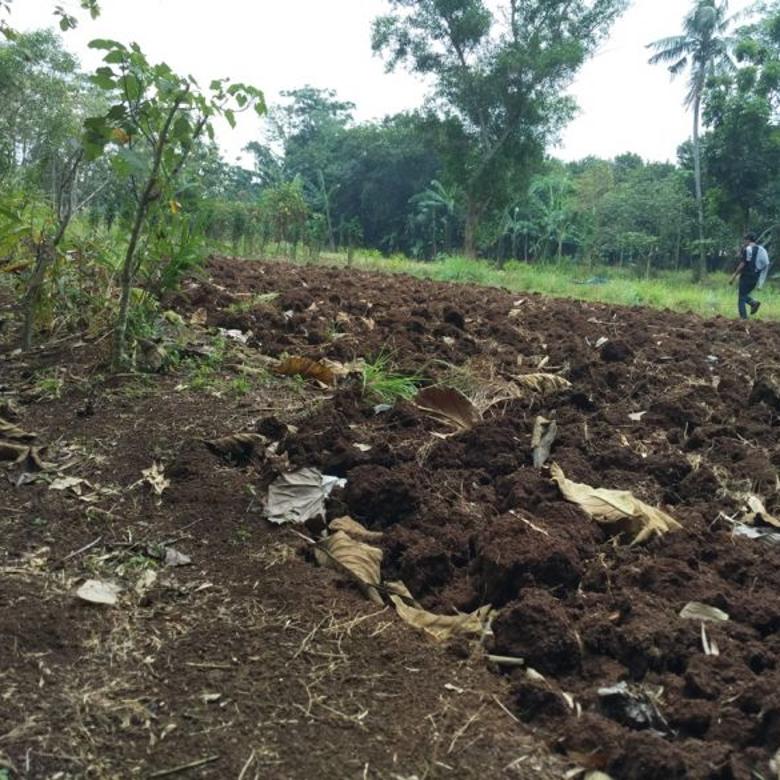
(199, 317)
(237, 448)
(695, 610)
(355, 529)
(145, 582)
(9, 430)
(307, 368)
(542, 440)
(359, 560)
(69, 483)
(154, 476)
(616, 508)
(174, 558)
(98, 592)
(398, 588)
(542, 384)
(29, 458)
(758, 512)
(751, 532)
(443, 627)
(449, 406)
(300, 496)
(233, 334)
(708, 645)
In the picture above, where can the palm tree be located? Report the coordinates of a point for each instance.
(705, 47)
(438, 202)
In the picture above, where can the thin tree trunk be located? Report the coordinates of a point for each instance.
(677, 248)
(128, 274)
(43, 254)
(700, 271)
(328, 218)
(149, 194)
(46, 249)
(470, 232)
(433, 234)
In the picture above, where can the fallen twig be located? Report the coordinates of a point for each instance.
(247, 765)
(184, 767)
(58, 564)
(505, 709)
(503, 660)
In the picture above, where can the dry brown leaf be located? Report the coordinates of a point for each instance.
(361, 561)
(355, 529)
(238, 448)
(300, 497)
(695, 610)
(398, 588)
(618, 508)
(154, 476)
(449, 406)
(307, 368)
(759, 512)
(543, 384)
(29, 458)
(199, 317)
(542, 440)
(99, 592)
(9, 430)
(443, 627)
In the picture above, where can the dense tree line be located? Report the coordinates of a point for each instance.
(468, 172)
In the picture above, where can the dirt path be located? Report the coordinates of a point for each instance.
(254, 661)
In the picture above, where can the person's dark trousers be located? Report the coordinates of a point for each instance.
(747, 283)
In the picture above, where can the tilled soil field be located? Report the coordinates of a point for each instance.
(680, 411)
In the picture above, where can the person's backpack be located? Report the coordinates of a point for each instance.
(761, 264)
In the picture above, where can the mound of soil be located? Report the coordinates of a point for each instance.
(471, 521)
(668, 407)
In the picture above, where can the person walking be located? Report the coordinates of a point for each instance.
(753, 264)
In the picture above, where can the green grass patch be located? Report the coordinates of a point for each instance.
(383, 383)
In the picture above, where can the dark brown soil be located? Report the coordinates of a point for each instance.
(468, 521)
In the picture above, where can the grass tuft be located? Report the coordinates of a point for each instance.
(381, 382)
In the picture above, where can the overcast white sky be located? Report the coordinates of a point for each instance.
(626, 104)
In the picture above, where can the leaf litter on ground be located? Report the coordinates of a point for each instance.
(448, 406)
(359, 560)
(239, 448)
(154, 476)
(545, 432)
(300, 496)
(99, 592)
(618, 509)
(759, 513)
(307, 368)
(444, 627)
(695, 610)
